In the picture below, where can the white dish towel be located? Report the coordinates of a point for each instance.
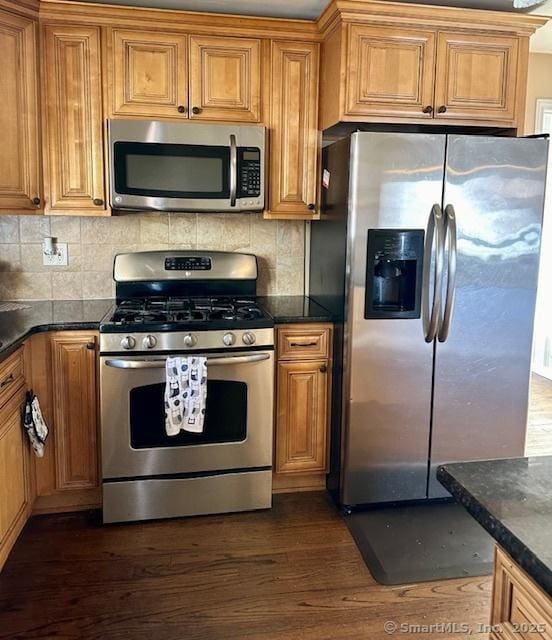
(185, 394)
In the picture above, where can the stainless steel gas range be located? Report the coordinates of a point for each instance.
(178, 303)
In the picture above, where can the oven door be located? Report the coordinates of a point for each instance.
(238, 418)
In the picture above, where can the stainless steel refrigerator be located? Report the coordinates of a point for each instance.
(428, 251)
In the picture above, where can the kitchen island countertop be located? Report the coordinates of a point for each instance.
(512, 499)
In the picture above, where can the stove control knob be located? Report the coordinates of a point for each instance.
(128, 342)
(248, 338)
(190, 340)
(149, 342)
(229, 339)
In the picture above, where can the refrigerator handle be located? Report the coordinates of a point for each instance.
(450, 232)
(435, 230)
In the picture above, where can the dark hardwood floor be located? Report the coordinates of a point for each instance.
(292, 573)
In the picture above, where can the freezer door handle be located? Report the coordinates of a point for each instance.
(431, 310)
(450, 233)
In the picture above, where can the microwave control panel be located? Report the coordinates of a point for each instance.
(249, 172)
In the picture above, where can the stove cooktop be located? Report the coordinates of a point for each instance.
(181, 314)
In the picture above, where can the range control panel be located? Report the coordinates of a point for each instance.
(249, 172)
(191, 263)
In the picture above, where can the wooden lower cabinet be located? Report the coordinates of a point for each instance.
(64, 377)
(520, 608)
(303, 382)
(15, 476)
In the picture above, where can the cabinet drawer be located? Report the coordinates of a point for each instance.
(520, 606)
(300, 342)
(12, 375)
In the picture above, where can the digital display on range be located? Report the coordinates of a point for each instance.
(193, 263)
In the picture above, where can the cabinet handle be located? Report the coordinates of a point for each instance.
(7, 381)
(196, 110)
(428, 109)
(91, 345)
(323, 368)
(311, 206)
(442, 109)
(303, 344)
(36, 201)
(181, 109)
(98, 202)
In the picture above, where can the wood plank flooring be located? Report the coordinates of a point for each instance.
(292, 573)
(539, 424)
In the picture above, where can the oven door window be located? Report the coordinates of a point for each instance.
(172, 170)
(225, 416)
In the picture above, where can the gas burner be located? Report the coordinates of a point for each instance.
(177, 313)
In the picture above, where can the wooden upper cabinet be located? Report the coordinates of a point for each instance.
(75, 410)
(74, 161)
(294, 134)
(390, 71)
(149, 74)
(225, 78)
(19, 162)
(476, 77)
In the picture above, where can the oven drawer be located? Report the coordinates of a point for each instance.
(177, 497)
(295, 342)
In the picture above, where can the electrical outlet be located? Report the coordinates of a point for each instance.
(57, 259)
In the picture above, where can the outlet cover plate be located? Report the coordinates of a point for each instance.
(59, 259)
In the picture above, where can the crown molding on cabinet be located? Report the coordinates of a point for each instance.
(28, 8)
(175, 21)
(414, 15)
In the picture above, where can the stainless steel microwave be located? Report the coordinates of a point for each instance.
(164, 166)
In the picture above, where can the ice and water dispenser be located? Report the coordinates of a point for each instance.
(394, 273)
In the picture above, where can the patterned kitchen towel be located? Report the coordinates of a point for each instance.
(34, 424)
(185, 394)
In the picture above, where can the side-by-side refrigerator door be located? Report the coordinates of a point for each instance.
(395, 181)
(494, 193)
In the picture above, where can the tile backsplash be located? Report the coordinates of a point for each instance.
(93, 241)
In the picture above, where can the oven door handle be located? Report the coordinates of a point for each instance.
(160, 363)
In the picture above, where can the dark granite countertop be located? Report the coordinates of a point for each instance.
(289, 309)
(47, 315)
(56, 315)
(512, 500)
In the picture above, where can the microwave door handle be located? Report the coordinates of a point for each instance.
(233, 170)
(160, 363)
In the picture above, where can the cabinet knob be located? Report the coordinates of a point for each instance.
(311, 207)
(323, 368)
(196, 110)
(442, 109)
(428, 109)
(90, 346)
(36, 201)
(181, 109)
(98, 202)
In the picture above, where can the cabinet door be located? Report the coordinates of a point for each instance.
(149, 74)
(390, 72)
(74, 130)
(15, 494)
(74, 410)
(302, 416)
(476, 77)
(293, 131)
(19, 161)
(225, 79)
